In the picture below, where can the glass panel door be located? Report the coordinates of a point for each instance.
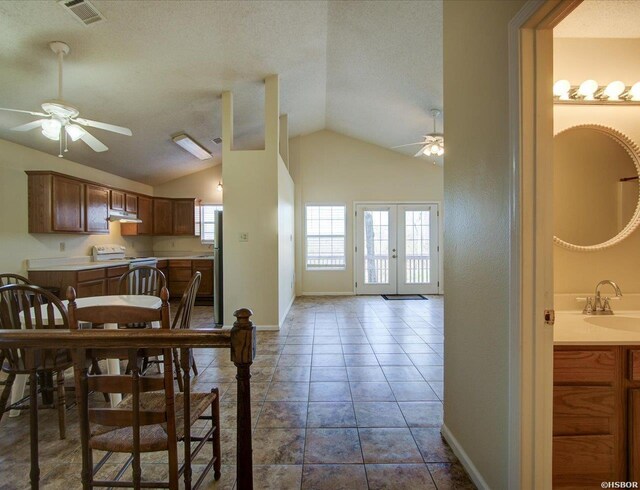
(418, 249)
(397, 249)
(376, 249)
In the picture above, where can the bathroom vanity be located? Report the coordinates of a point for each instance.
(596, 399)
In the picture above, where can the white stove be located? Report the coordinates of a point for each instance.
(104, 253)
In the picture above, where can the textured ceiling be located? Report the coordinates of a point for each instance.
(602, 19)
(371, 70)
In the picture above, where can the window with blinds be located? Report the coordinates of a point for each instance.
(206, 222)
(324, 231)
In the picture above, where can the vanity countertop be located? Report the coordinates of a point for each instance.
(574, 328)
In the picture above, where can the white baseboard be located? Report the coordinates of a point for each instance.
(286, 311)
(260, 327)
(339, 293)
(474, 474)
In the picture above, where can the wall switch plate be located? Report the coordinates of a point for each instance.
(244, 237)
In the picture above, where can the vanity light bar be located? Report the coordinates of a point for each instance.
(590, 92)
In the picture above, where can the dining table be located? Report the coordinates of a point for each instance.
(113, 365)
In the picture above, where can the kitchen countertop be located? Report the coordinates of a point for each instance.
(574, 328)
(90, 264)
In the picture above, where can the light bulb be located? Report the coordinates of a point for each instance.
(219, 186)
(634, 91)
(614, 89)
(440, 151)
(74, 131)
(588, 88)
(561, 89)
(51, 129)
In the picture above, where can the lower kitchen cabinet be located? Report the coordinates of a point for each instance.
(98, 281)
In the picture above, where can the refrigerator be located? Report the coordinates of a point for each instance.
(218, 290)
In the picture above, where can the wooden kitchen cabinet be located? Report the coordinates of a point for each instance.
(68, 205)
(97, 209)
(97, 281)
(205, 267)
(131, 203)
(162, 216)
(113, 278)
(184, 217)
(179, 276)
(145, 214)
(117, 200)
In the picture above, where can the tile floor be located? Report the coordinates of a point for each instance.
(346, 396)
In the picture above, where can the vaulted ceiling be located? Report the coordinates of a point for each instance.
(368, 69)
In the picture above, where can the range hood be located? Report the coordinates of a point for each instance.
(123, 217)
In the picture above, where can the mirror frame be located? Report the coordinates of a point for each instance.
(633, 151)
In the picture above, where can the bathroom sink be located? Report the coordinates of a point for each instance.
(615, 322)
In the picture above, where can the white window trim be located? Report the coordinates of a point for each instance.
(201, 221)
(344, 235)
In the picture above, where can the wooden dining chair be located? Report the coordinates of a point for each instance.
(6, 279)
(182, 319)
(151, 417)
(143, 279)
(24, 306)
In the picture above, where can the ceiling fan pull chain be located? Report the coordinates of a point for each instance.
(60, 142)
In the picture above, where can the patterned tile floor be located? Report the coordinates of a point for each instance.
(346, 396)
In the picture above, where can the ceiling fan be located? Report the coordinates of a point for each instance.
(60, 120)
(432, 144)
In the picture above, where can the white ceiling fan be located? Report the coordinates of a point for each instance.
(60, 120)
(432, 144)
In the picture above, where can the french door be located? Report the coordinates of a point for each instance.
(396, 249)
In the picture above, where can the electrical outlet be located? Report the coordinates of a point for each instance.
(133, 244)
(173, 244)
(62, 246)
(244, 236)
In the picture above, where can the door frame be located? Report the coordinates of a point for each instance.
(354, 231)
(531, 242)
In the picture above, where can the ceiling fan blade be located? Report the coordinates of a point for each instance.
(29, 126)
(24, 112)
(420, 152)
(410, 144)
(93, 142)
(100, 125)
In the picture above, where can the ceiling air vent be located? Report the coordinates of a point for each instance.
(83, 11)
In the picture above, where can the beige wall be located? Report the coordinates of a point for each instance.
(604, 60)
(251, 268)
(476, 247)
(286, 247)
(200, 184)
(329, 167)
(17, 244)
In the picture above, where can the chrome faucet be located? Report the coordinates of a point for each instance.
(601, 305)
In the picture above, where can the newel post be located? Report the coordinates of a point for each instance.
(243, 348)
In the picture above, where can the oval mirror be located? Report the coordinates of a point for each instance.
(595, 187)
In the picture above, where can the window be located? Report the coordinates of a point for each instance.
(325, 228)
(206, 221)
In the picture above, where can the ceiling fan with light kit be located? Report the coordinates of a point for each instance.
(60, 120)
(433, 143)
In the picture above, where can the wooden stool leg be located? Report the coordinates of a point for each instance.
(176, 363)
(62, 403)
(215, 421)
(6, 393)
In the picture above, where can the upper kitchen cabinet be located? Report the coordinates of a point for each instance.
(97, 208)
(162, 216)
(56, 204)
(184, 217)
(117, 200)
(131, 203)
